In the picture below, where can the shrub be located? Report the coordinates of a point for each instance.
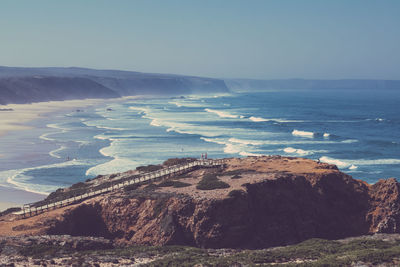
(175, 184)
(79, 185)
(237, 172)
(149, 168)
(210, 181)
(236, 193)
(179, 184)
(176, 161)
(131, 187)
(9, 210)
(150, 187)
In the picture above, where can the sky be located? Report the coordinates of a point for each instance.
(262, 39)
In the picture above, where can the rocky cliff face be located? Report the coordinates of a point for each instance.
(296, 199)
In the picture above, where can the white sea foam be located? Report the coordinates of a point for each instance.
(186, 104)
(18, 179)
(176, 104)
(353, 164)
(194, 96)
(337, 162)
(246, 142)
(115, 165)
(108, 150)
(303, 133)
(258, 119)
(110, 128)
(82, 143)
(284, 120)
(156, 123)
(349, 141)
(55, 126)
(222, 114)
(283, 142)
(46, 137)
(92, 124)
(54, 152)
(232, 149)
(185, 128)
(140, 110)
(376, 162)
(298, 151)
(101, 137)
(248, 154)
(213, 140)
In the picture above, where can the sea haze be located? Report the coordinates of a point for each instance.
(356, 130)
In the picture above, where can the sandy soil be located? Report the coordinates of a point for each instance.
(266, 167)
(34, 225)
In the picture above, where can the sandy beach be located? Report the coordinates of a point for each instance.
(19, 114)
(16, 119)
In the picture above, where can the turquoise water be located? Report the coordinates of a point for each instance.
(358, 131)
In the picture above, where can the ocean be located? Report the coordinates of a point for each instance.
(359, 131)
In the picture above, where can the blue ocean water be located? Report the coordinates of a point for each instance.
(356, 130)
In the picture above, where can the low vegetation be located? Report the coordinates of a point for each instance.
(10, 210)
(173, 183)
(149, 168)
(236, 193)
(363, 251)
(237, 172)
(176, 161)
(210, 181)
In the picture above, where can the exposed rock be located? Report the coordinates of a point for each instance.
(276, 201)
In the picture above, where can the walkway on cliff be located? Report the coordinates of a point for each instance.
(31, 209)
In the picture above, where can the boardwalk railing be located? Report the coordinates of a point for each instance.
(31, 209)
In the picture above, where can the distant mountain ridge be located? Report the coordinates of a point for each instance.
(304, 84)
(27, 85)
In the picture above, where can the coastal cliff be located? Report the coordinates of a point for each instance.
(264, 202)
(28, 85)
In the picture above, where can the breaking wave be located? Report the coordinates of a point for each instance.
(302, 133)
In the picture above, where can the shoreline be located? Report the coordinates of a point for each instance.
(19, 119)
(24, 113)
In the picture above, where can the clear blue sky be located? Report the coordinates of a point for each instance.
(229, 39)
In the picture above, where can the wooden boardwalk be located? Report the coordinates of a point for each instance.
(29, 210)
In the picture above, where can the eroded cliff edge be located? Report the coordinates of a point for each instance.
(270, 201)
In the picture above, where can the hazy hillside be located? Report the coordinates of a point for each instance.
(24, 85)
(38, 89)
(302, 84)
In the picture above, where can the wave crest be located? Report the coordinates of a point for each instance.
(302, 133)
(222, 114)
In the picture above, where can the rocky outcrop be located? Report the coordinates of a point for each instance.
(384, 213)
(296, 201)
